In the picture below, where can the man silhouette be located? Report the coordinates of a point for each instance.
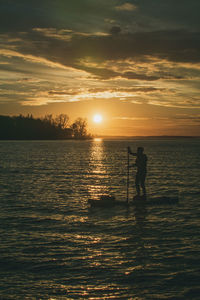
(141, 164)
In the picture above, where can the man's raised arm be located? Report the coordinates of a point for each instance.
(130, 152)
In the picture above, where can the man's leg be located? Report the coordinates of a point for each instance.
(143, 177)
(137, 184)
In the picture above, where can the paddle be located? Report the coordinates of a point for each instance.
(127, 190)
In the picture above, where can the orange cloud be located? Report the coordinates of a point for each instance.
(126, 7)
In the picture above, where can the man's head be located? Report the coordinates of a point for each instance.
(140, 150)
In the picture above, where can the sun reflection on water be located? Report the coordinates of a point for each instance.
(97, 140)
(97, 170)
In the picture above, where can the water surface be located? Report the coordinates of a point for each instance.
(53, 246)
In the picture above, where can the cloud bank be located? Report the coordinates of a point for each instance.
(141, 53)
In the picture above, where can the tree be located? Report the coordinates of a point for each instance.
(79, 128)
(48, 119)
(62, 121)
(30, 128)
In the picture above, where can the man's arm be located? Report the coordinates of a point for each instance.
(130, 152)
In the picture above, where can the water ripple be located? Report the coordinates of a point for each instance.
(53, 246)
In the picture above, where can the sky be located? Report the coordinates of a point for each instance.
(134, 62)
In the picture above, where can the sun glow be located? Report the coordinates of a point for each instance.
(97, 118)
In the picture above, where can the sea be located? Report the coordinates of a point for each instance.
(53, 245)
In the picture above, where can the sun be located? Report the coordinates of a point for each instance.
(97, 118)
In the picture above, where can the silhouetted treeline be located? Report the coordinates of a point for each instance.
(47, 128)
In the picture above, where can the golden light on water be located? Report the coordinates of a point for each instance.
(97, 170)
(97, 140)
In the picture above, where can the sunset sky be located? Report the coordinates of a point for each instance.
(135, 63)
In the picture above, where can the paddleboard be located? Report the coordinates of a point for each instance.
(110, 201)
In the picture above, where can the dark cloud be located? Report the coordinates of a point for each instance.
(90, 15)
(102, 73)
(146, 90)
(172, 14)
(195, 118)
(62, 93)
(174, 46)
(23, 15)
(115, 30)
(69, 48)
(132, 75)
(132, 35)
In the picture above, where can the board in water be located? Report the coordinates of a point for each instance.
(106, 201)
(110, 201)
(153, 200)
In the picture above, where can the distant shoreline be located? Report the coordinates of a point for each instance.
(148, 137)
(108, 138)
